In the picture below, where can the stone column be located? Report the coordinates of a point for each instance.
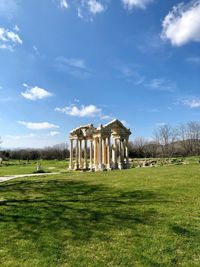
(100, 154)
(108, 154)
(80, 154)
(127, 153)
(115, 154)
(120, 154)
(123, 150)
(103, 153)
(85, 155)
(71, 155)
(91, 166)
(76, 166)
(95, 155)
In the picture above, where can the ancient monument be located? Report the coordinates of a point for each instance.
(107, 150)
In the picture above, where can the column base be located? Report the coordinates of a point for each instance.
(108, 167)
(85, 166)
(100, 167)
(70, 168)
(120, 166)
(91, 166)
(80, 167)
(96, 168)
(76, 166)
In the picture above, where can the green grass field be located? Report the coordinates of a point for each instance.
(22, 167)
(136, 217)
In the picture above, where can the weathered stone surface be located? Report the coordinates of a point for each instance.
(108, 147)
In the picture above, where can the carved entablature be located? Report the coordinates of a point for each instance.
(83, 132)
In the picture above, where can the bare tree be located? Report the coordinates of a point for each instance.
(190, 137)
(166, 136)
(152, 149)
(139, 144)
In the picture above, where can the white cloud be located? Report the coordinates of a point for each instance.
(36, 50)
(75, 62)
(9, 39)
(129, 73)
(38, 125)
(107, 117)
(83, 111)
(192, 103)
(19, 137)
(34, 93)
(16, 28)
(161, 84)
(54, 133)
(195, 60)
(95, 7)
(79, 13)
(64, 3)
(13, 37)
(130, 4)
(73, 66)
(182, 24)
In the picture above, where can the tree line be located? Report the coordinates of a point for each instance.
(167, 141)
(59, 152)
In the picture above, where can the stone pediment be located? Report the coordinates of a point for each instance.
(117, 128)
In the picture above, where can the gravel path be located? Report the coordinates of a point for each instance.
(10, 177)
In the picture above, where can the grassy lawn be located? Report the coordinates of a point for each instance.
(136, 217)
(13, 167)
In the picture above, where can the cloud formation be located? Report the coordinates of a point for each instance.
(38, 125)
(130, 73)
(9, 39)
(83, 111)
(161, 84)
(54, 133)
(95, 7)
(191, 103)
(64, 3)
(73, 66)
(35, 93)
(182, 24)
(130, 4)
(87, 9)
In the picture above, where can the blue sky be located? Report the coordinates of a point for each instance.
(68, 63)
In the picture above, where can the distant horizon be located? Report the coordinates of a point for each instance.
(93, 61)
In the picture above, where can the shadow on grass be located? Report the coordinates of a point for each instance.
(188, 232)
(52, 212)
(83, 209)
